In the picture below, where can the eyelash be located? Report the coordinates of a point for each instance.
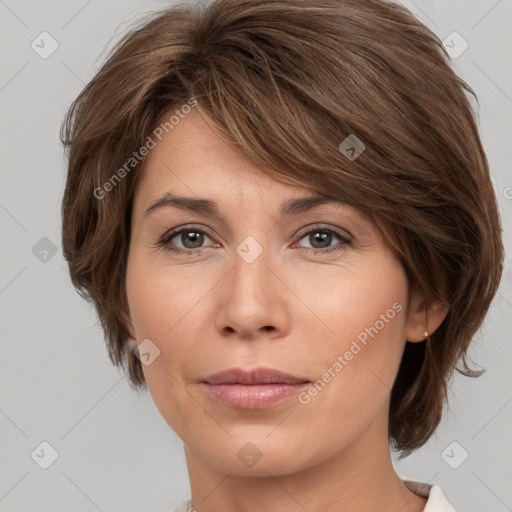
(165, 241)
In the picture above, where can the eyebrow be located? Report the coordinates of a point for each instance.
(208, 207)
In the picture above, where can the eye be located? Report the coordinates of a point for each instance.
(320, 240)
(191, 239)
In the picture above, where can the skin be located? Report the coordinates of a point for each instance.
(293, 308)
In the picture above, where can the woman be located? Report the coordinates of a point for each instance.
(284, 216)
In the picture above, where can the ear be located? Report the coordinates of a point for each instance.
(424, 317)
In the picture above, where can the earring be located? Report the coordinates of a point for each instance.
(425, 335)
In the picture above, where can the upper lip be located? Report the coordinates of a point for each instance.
(253, 376)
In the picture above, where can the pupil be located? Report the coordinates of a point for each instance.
(197, 239)
(322, 237)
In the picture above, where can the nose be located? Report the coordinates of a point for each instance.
(252, 300)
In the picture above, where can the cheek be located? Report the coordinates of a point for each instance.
(357, 362)
(363, 318)
(159, 306)
(362, 302)
(149, 292)
(162, 298)
(148, 306)
(169, 307)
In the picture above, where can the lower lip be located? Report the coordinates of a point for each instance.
(256, 396)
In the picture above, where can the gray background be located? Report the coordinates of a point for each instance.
(115, 452)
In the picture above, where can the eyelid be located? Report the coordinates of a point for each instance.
(169, 235)
(344, 236)
(320, 226)
(343, 233)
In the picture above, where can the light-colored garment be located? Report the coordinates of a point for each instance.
(436, 501)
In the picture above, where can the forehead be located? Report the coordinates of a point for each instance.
(192, 160)
(193, 169)
(194, 164)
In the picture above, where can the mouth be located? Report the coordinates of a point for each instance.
(253, 377)
(252, 389)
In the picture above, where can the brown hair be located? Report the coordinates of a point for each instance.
(285, 82)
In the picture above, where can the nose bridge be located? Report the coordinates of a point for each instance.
(251, 277)
(252, 299)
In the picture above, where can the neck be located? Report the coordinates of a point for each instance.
(359, 478)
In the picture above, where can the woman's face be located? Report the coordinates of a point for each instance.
(258, 288)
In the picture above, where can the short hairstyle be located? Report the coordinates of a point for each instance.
(285, 82)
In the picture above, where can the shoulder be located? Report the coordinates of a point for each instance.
(185, 506)
(436, 500)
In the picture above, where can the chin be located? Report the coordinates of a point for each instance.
(260, 455)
